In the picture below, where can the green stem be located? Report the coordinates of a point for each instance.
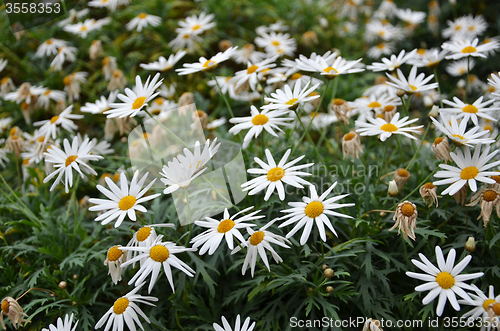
(26, 211)
(419, 146)
(439, 88)
(310, 139)
(422, 183)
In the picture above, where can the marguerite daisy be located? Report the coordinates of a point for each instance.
(472, 111)
(414, 83)
(143, 20)
(455, 130)
(327, 68)
(206, 64)
(273, 175)
(460, 48)
(250, 74)
(144, 237)
(314, 209)
(286, 99)
(63, 325)
(48, 128)
(481, 302)
(237, 325)
(393, 62)
(163, 64)
(379, 126)
(123, 201)
(445, 281)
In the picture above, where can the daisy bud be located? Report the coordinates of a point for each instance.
(442, 149)
(400, 93)
(428, 192)
(489, 199)
(329, 289)
(381, 214)
(259, 89)
(470, 245)
(95, 49)
(380, 80)
(186, 98)
(12, 309)
(393, 188)
(75, 276)
(401, 176)
(73, 303)
(351, 145)
(329, 272)
(324, 266)
(434, 112)
(61, 105)
(406, 219)
(62, 285)
(224, 45)
(310, 290)
(117, 81)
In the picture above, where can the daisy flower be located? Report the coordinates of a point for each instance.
(226, 228)
(481, 302)
(456, 131)
(64, 53)
(327, 68)
(206, 64)
(124, 200)
(143, 20)
(472, 111)
(159, 254)
(414, 83)
(63, 326)
(286, 99)
(393, 62)
(3, 64)
(470, 169)
(144, 237)
(82, 28)
(445, 281)
(314, 209)
(257, 244)
(250, 74)
(100, 106)
(185, 40)
(47, 95)
(410, 17)
(48, 128)
(125, 311)
(237, 325)
(49, 47)
(196, 25)
(380, 49)
(136, 99)
(74, 156)
(460, 67)
(460, 48)
(273, 175)
(248, 54)
(277, 43)
(379, 126)
(163, 64)
(494, 82)
(268, 120)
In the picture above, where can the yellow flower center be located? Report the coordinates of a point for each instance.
(54, 119)
(275, 174)
(445, 280)
(470, 109)
(83, 28)
(120, 306)
(413, 87)
(114, 253)
(490, 195)
(275, 43)
(196, 27)
(138, 103)
(295, 76)
(291, 101)
(389, 108)
(259, 119)
(127, 202)
(458, 136)
(487, 303)
(48, 42)
(70, 160)
(209, 64)
(159, 253)
(5, 306)
(256, 238)
(374, 104)
(381, 46)
(403, 172)
(314, 209)
(469, 49)
(421, 51)
(349, 136)
(142, 15)
(225, 226)
(407, 209)
(47, 92)
(329, 70)
(115, 177)
(143, 233)
(26, 161)
(469, 173)
(389, 127)
(67, 80)
(429, 186)
(252, 69)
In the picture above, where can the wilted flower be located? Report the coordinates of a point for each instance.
(401, 176)
(406, 219)
(351, 145)
(12, 310)
(442, 149)
(489, 198)
(428, 192)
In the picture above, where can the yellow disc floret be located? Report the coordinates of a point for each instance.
(127, 202)
(275, 174)
(120, 306)
(225, 226)
(159, 253)
(445, 280)
(314, 209)
(256, 238)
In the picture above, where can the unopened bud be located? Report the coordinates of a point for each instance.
(324, 266)
(393, 188)
(329, 272)
(73, 303)
(470, 245)
(400, 93)
(310, 290)
(434, 112)
(75, 276)
(329, 289)
(62, 285)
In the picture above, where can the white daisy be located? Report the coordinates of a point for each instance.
(250, 74)
(47, 95)
(227, 227)
(196, 25)
(470, 169)
(273, 175)
(159, 254)
(456, 131)
(136, 99)
(258, 121)
(248, 53)
(393, 62)
(380, 49)
(286, 99)
(481, 302)
(163, 64)
(444, 281)
(460, 48)
(49, 128)
(277, 43)
(314, 209)
(64, 54)
(144, 237)
(414, 83)
(460, 67)
(379, 126)
(186, 40)
(49, 47)
(124, 200)
(100, 106)
(114, 259)
(206, 64)
(143, 20)
(237, 325)
(74, 156)
(472, 111)
(257, 244)
(63, 325)
(328, 68)
(125, 311)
